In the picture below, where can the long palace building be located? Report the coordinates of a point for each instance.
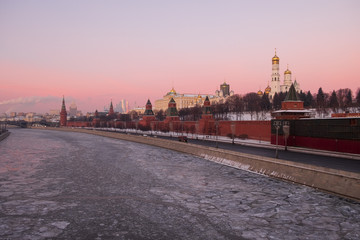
(191, 100)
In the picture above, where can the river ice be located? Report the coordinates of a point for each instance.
(78, 186)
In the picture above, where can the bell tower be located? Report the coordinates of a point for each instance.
(275, 76)
(287, 80)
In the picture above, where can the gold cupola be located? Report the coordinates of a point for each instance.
(275, 59)
(172, 92)
(267, 89)
(287, 70)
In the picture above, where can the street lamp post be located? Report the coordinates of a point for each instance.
(182, 128)
(233, 132)
(136, 126)
(152, 128)
(170, 128)
(197, 129)
(286, 130)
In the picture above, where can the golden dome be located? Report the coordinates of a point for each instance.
(287, 71)
(259, 93)
(275, 59)
(267, 89)
(172, 92)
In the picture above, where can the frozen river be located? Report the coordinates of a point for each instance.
(77, 186)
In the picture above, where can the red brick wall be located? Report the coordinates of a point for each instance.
(328, 144)
(292, 105)
(78, 124)
(259, 130)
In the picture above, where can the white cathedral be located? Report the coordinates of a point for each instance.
(275, 86)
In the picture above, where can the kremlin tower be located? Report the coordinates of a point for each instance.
(149, 115)
(63, 114)
(96, 119)
(292, 107)
(207, 111)
(172, 113)
(148, 109)
(111, 110)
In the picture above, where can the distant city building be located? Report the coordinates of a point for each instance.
(72, 110)
(122, 106)
(275, 86)
(54, 112)
(139, 110)
(32, 117)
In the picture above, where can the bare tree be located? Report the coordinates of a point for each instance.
(252, 103)
(235, 105)
(333, 102)
(344, 98)
(160, 115)
(220, 110)
(276, 102)
(321, 102)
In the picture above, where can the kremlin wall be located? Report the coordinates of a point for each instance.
(259, 130)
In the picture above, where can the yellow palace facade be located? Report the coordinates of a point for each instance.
(191, 100)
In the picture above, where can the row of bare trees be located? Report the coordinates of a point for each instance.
(257, 106)
(234, 105)
(337, 101)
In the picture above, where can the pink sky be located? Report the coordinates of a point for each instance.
(95, 51)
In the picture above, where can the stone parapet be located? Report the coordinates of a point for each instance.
(4, 135)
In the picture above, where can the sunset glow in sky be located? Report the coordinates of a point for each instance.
(95, 51)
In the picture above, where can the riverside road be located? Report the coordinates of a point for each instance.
(339, 163)
(66, 185)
